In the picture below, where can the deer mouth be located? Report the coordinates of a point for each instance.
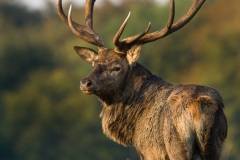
(87, 92)
(87, 86)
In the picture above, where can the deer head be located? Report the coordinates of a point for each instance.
(112, 66)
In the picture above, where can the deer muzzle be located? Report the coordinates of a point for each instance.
(86, 85)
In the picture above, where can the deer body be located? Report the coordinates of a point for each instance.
(166, 121)
(161, 120)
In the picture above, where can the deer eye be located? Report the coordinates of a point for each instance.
(117, 69)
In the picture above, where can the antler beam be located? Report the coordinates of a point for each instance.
(170, 27)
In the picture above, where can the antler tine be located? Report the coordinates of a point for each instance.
(116, 38)
(63, 16)
(188, 16)
(122, 44)
(171, 18)
(86, 33)
(170, 27)
(61, 13)
(137, 37)
(89, 13)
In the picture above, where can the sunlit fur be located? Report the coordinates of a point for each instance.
(161, 120)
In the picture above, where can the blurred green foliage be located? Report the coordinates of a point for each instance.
(44, 116)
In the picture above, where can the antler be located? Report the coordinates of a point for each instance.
(85, 32)
(171, 27)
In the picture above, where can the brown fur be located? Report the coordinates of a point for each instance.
(161, 120)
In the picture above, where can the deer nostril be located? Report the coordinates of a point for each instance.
(86, 83)
(89, 83)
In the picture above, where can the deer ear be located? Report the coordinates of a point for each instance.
(86, 54)
(133, 53)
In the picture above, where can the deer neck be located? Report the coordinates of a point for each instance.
(121, 115)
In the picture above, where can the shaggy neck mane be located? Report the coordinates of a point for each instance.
(120, 113)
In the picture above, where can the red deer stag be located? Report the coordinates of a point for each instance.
(161, 120)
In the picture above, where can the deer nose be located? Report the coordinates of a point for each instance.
(85, 84)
